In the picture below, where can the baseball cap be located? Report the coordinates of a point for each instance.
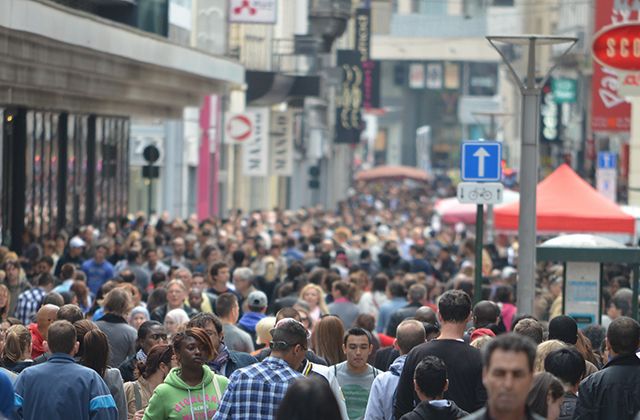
(257, 299)
(76, 242)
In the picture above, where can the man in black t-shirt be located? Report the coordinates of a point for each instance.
(464, 363)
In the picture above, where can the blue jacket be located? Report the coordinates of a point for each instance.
(62, 389)
(383, 389)
(249, 321)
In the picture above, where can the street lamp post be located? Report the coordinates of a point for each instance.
(531, 91)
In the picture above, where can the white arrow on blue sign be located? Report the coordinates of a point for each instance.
(607, 160)
(481, 161)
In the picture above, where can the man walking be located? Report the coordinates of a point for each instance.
(508, 375)
(355, 375)
(410, 333)
(61, 388)
(255, 392)
(614, 392)
(464, 363)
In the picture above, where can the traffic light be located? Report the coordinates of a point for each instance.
(314, 177)
(549, 116)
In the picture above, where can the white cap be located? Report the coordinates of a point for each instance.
(77, 242)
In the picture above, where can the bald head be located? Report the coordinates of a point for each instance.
(410, 333)
(45, 317)
(484, 313)
(426, 314)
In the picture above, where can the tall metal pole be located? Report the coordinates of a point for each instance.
(150, 198)
(528, 183)
(477, 289)
(531, 92)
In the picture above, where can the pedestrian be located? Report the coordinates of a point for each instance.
(314, 296)
(430, 383)
(463, 361)
(60, 386)
(531, 328)
(191, 390)
(568, 366)
(138, 316)
(152, 373)
(30, 300)
(122, 337)
(16, 353)
(612, 393)
(175, 321)
(255, 392)
(342, 306)
(410, 333)
(355, 375)
(309, 399)
(546, 396)
(416, 295)
(94, 355)
(257, 306)
(228, 309)
(150, 333)
(98, 269)
(176, 296)
(7, 400)
(224, 360)
(327, 339)
(39, 330)
(397, 299)
(5, 302)
(507, 375)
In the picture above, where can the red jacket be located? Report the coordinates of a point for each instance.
(37, 341)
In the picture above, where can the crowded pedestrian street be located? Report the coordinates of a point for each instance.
(319, 209)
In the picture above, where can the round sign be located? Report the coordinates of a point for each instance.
(239, 128)
(151, 153)
(618, 46)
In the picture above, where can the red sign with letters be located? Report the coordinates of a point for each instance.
(618, 46)
(610, 112)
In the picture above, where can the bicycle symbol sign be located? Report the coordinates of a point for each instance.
(480, 192)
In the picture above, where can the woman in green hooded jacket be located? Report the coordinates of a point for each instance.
(191, 391)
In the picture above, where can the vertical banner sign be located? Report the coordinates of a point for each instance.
(610, 112)
(370, 69)
(607, 175)
(349, 100)
(281, 143)
(255, 154)
(416, 76)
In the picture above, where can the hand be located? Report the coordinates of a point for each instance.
(138, 415)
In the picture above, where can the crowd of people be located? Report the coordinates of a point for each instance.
(362, 313)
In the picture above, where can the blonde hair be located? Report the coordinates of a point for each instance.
(543, 351)
(17, 342)
(480, 342)
(263, 330)
(321, 302)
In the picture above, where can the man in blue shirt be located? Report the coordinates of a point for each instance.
(255, 392)
(98, 270)
(398, 300)
(61, 388)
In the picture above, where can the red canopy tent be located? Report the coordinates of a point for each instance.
(567, 203)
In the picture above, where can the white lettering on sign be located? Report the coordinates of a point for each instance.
(281, 143)
(256, 153)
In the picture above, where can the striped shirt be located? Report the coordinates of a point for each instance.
(28, 303)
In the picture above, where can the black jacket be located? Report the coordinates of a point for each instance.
(426, 411)
(160, 312)
(568, 406)
(400, 315)
(612, 393)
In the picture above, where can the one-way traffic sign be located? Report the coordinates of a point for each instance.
(481, 161)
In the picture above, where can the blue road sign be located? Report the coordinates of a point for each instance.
(481, 161)
(607, 160)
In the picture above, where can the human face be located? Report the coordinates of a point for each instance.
(197, 282)
(175, 296)
(195, 298)
(357, 351)
(211, 331)
(507, 380)
(304, 318)
(171, 326)
(613, 312)
(178, 247)
(137, 320)
(152, 257)
(312, 297)
(157, 335)
(223, 275)
(192, 354)
(101, 254)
